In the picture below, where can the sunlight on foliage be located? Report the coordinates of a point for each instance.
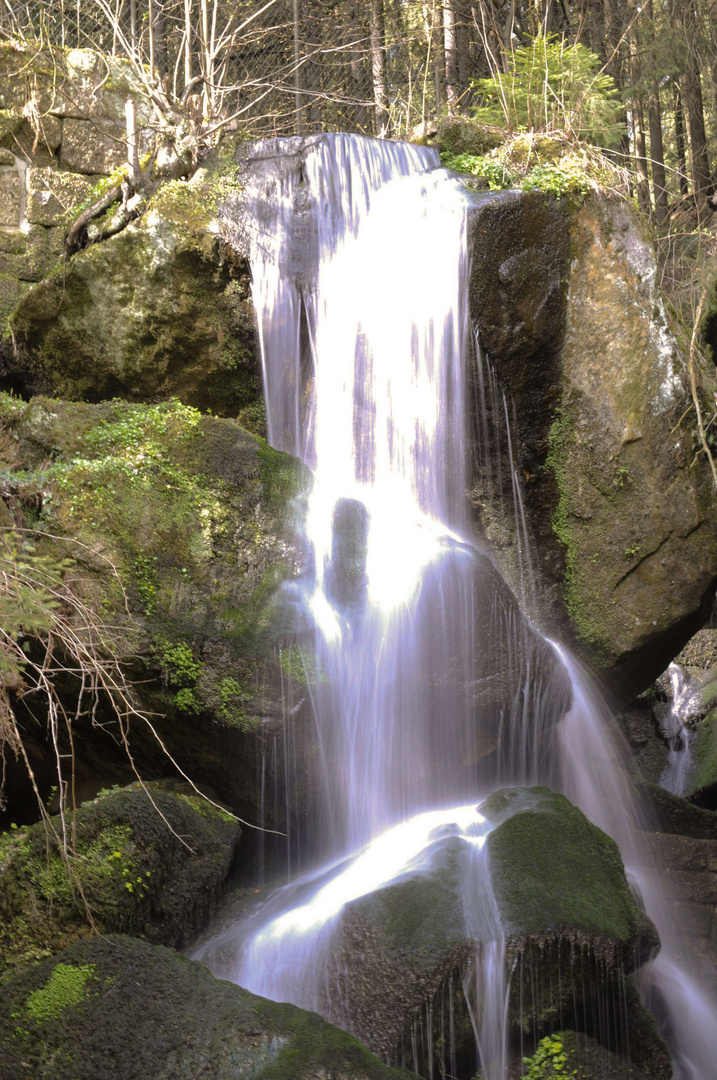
(550, 85)
(540, 162)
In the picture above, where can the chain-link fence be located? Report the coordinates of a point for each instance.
(279, 66)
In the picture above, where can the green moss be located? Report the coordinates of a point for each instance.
(65, 989)
(301, 666)
(128, 865)
(282, 477)
(11, 292)
(553, 870)
(182, 670)
(235, 703)
(584, 604)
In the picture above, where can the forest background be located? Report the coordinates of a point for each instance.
(390, 67)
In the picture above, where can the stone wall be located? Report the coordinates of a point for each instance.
(62, 131)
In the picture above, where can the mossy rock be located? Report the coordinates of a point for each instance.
(459, 135)
(160, 310)
(180, 528)
(702, 780)
(671, 814)
(576, 1055)
(135, 1010)
(556, 873)
(566, 911)
(618, 497)
(150, 861)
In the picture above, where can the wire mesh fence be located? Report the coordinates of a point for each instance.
(279, 66)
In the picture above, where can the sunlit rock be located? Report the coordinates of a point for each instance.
(619, 500)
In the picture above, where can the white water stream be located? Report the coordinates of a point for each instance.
(360, 267)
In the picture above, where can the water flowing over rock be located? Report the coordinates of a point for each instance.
(559, 891)
(396, 639)
(365, 368)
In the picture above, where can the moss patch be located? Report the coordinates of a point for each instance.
(555, 872)
(152, 864)
(65, 988)
(150, 1012)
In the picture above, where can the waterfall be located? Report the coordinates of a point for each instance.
(685, 705)
(432, 687)
(594, 777)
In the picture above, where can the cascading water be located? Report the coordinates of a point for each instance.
(359, 259)
(594, 778)
(685, 706)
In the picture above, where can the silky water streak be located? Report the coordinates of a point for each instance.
(359, 262)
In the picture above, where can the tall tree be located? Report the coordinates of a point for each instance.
(450, 50)
(654, 113)
(685, 22)
(377, 33)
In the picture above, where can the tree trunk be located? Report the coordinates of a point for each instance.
(692, 97)
(643, 180)
(378, 66)
(463, 51)
(450, 49)
(657, 153)
(683, 18)
(680, 140)
(300, 121)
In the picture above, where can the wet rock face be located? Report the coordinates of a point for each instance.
(620, 513)
(404, 952)
(117, 1006)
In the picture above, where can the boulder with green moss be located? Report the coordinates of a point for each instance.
(570, 923)
(146, 860)
(618, 494)
(111, 1007)
(180, 533)
(161, 310)
(702, 779)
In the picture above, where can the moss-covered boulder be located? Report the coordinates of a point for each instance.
(555, 872)
(115, 1006)
(702, 779)
(618, 495)
(161, 310)
(179, 531)
(146, 860)
(569, 921)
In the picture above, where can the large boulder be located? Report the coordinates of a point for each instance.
(115, 1006)
(161, 310)
(179, 531)
(618, 498)
(569, 921)
(147, 860)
